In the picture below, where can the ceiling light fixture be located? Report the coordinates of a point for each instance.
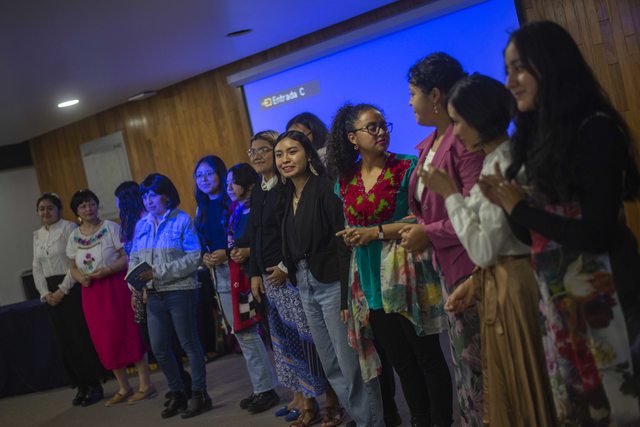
(68, 103)
(239, 32)
(142, 95)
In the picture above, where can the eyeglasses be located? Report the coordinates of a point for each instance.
(201, 175)
(262, 151)
(373, 128)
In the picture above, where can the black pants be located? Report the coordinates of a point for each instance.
(78, 354)
(420, 364)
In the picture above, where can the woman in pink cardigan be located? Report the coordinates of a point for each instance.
(429, 81)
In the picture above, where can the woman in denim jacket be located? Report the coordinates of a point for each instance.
(167, 240)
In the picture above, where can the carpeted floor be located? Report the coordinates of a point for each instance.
(227, 382)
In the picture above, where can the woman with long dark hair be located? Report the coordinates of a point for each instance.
(318, 260)
(430, 80)
(372, 183)
(63, 296)
(577, 155)
(515, 379)
(297, 364)
(314, 129)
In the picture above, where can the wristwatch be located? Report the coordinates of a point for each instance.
(380, 232)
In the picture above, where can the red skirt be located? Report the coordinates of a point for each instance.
(107, 310)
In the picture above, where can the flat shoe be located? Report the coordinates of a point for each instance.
(293, 415)
(283, 411)
(141, 395)
(118, 397)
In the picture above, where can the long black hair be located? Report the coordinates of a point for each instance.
(317, 127)
(546, 139)
(341, 155)
(312, 154)
(131, 206)
(202, 199)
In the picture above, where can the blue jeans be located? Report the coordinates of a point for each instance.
(253, 349)
(321, 303)
(177, 310)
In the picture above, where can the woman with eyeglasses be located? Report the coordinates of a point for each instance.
(430, 80)
(212, 215)
(317, 261)
(58, 289)
(298, 366)
(99, 263)
(373, 183)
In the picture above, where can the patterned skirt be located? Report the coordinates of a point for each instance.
(298, 366)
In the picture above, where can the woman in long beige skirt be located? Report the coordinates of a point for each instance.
(515, 384)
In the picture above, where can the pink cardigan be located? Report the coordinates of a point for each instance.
(464, 167)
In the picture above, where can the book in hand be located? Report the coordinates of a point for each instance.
(134, 276)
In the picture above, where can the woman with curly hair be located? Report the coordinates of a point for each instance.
(430, 80)
(577, 154)
(372, 184)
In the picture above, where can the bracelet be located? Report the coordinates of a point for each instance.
(380, 232)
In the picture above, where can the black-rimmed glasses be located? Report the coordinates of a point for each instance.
(374, 128)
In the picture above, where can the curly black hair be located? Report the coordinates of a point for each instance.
(437, 70)
(341, 155)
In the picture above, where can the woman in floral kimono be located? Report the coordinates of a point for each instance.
(576, 152)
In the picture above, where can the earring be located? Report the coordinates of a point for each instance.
(435, 108)
(79, 220)
(312, 169)
(356, 147)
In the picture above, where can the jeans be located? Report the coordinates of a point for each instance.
(321, 303)
(177, 310)
(254, 351)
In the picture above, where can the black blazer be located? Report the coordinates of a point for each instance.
(321, 218)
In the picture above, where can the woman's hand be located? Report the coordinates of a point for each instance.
(85, 280)
(500, 191)
(49, 299)
(257, 288)
(461, 298)
(413, 238)
(134, 296)
(215, 258)
(276, 276)
(344, 316)
(358, 236)
(438, 181)
(240, 255)
(101, 272)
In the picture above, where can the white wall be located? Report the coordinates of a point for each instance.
(18, 194)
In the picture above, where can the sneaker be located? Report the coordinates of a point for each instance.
(247, 401)
(264, 401)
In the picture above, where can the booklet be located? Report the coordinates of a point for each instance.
(134, 277)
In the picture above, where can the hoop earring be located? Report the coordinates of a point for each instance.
(435, 108)
(312, 169)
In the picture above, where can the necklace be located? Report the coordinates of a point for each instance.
(296, 196)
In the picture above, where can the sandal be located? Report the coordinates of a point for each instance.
(333, 416)
(118, 397)
(308, 417)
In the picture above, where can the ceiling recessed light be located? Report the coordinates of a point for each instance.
(68, 103)
(239, 32)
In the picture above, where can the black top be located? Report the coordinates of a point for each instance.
(266, 225)
(318, 218)
(601, 159)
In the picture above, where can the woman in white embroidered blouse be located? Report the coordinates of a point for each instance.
(56, 287)
(516, 389)
(99, 264)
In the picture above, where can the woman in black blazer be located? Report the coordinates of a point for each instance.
(318, 263)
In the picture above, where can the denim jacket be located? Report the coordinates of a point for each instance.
(173, 249)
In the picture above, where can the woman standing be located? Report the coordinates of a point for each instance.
(314, 129)
(319, 261)
(238, 303)
(167, 240)
(430, 80)
(98, 263)
(372, 184)
(576, 152)
(515, 378)
(297, 364)
(57, 288)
